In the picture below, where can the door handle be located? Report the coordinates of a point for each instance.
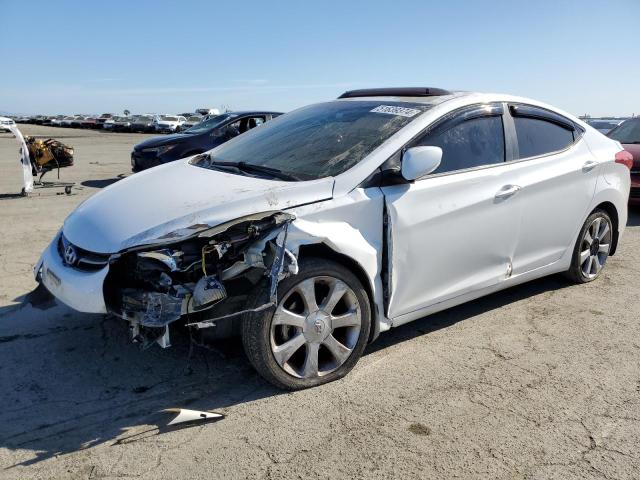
(589, 165)
(507, 191)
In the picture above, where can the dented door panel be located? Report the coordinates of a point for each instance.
(449, 235)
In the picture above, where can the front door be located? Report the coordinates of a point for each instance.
(454, 231)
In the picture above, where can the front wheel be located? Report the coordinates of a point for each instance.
(592, 248)
(316, 333)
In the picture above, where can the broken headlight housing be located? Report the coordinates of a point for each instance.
(154, 286)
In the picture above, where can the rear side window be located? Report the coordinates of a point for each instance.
(539, 137)
(540, 131)
(472, 143)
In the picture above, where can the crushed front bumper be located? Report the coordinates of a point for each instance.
(80, 290)
(142, 160)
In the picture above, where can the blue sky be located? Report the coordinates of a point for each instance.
(157, 56)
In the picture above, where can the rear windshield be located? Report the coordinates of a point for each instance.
(320, 140)
(627, 132)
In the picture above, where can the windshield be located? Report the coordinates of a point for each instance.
(168, 118)
(627, 132)
(320, 140)
(210, 124)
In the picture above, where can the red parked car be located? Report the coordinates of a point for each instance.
(89, 122)
(628, 134)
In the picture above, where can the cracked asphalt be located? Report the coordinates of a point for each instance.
(539, 381)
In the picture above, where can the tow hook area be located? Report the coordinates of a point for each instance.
(201, 279)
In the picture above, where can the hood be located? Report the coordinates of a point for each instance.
(163, 140)
(163, 200)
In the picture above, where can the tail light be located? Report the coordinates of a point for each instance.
(625, 158)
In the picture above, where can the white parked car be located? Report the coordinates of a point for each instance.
(169, 123)
(6, 123)
(69, 120)
(207, 111)
(335, 222)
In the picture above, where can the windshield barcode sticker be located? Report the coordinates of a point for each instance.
(391, 110)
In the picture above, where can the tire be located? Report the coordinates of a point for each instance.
(300, 325)
(590, 254)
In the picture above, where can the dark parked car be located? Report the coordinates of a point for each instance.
(77, 122)
(103, 118)
(604, 125)
(123, 124)
(628, 134)
(197, 139)
(110, 123)
(143, 123)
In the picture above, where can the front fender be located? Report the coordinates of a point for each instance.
(350, 225)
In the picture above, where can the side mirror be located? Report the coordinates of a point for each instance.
(420, 161)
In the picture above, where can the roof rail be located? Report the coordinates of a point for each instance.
(396, 92)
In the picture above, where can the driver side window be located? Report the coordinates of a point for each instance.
(232, 130)
(470, 143)
(240, 126)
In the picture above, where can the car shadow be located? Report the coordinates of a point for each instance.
(72, 381)
(102, 183)
(8, 196)
(453, 315)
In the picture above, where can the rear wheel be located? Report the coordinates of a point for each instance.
(592, 248)
(316, 333)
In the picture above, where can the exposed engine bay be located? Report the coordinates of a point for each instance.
(201, 278)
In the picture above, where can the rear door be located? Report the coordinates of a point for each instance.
(557, 175)
(454, 231)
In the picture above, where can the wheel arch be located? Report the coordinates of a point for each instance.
(322, 250)
(612, 211)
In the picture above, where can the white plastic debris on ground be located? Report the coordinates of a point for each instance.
(185, 416)
(27, 176)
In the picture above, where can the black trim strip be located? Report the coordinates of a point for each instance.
(529, 111)
(396, 92)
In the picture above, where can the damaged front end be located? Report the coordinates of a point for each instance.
(202, 278)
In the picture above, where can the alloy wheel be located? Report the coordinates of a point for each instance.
(595, 247)
(315, 327)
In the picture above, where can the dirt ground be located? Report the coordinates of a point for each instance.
(539, 381)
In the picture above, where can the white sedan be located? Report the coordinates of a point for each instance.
(6, 124)
(169, 123)
(328, 225)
